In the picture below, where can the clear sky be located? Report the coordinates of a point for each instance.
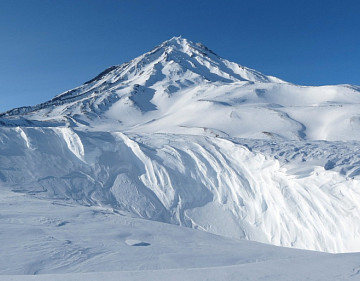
(50, 46)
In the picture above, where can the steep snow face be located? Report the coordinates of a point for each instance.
(182, 136)
(208, 183)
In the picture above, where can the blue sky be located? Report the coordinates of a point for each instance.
(50, 46)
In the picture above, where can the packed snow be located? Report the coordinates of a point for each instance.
(110, 177)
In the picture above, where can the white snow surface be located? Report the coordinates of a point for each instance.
(102, 178)
(56, 240)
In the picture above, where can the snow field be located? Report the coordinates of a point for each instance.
(56, 240)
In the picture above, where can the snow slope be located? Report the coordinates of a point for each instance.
(182, 136)
(209, 183)
(57, 240)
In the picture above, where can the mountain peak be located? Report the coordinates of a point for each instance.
(181, 44)
(177, 41)
(174, 65)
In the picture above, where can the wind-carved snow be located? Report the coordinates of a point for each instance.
(208, 183)
(183, 136)
(73, 141)
(24, 136)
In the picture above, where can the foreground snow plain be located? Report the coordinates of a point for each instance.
(103, 179)
(63, 241)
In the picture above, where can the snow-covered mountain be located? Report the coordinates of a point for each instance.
(183, 136)
(173, 87)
